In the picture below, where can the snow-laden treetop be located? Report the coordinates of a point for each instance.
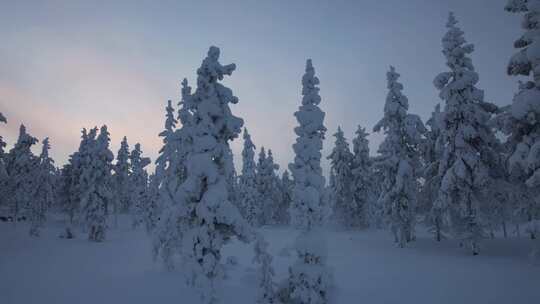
(25, 140)
(310, 91)
(248, 152)
(45, 148)
(396, 104)
(458, 84)
(211, 99)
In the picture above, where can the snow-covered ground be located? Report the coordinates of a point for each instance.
(367, 269)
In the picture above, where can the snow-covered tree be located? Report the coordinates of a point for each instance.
(121, 180)
(202, 219)
(168, 151)
(309, 278)
(166, 162)
(70, 189)
(138, 184)
(282, 212)
(364, 210)
(345, 209)
(169, 175)
(432, 153)
(44, 189)
(399, 161)
(177, 142)
(521, 120)
(306, 208)
(267, 287)
(96, 185)
(152, 207)
(267, 186)
(467, 155)
(249, 202)
(375, 210)
(3, 169)
(21, 166)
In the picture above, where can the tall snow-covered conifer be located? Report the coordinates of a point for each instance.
(21, 166)
(268, 186)
(432, 152)
(44, 192)
(468, 140)
(96, 185)
(341, 158)
(138, 184)
(121, 179)
(71, 184)
(282, 212)
(309, 279)
(3, 169)
(170, 174)
(152, 209)
(202, 218)
(364, 210)
(521, 120)
(249, 196)
(399, 161)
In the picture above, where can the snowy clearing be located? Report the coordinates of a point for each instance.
(367, 269)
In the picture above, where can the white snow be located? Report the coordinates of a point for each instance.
(367, 268)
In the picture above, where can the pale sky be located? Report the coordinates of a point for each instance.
(65, 65)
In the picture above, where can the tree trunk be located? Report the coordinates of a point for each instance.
(505, 233)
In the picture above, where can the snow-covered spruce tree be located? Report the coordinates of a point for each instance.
(399, 161)
(168, 151)
(63, 190)
(521, 120)
(96, 185)
(44, 190)
(434, 213)
(202, 218)
(152, 207)
(233, 188)
(267, 186)
(71, 187)
(121, 171)
(138, 184)
(274, 189)
(21, 166)
(249, 196)
(468, 140)
(309, 278)
(3, 170)
(168, 177)
(170, 164)
(267, 287)
(286, 184)
(345, 209)
(375, 210)
(362, 184)
(168, 157)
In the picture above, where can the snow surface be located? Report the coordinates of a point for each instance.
(367, 268)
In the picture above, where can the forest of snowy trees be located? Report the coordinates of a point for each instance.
(471, 169)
